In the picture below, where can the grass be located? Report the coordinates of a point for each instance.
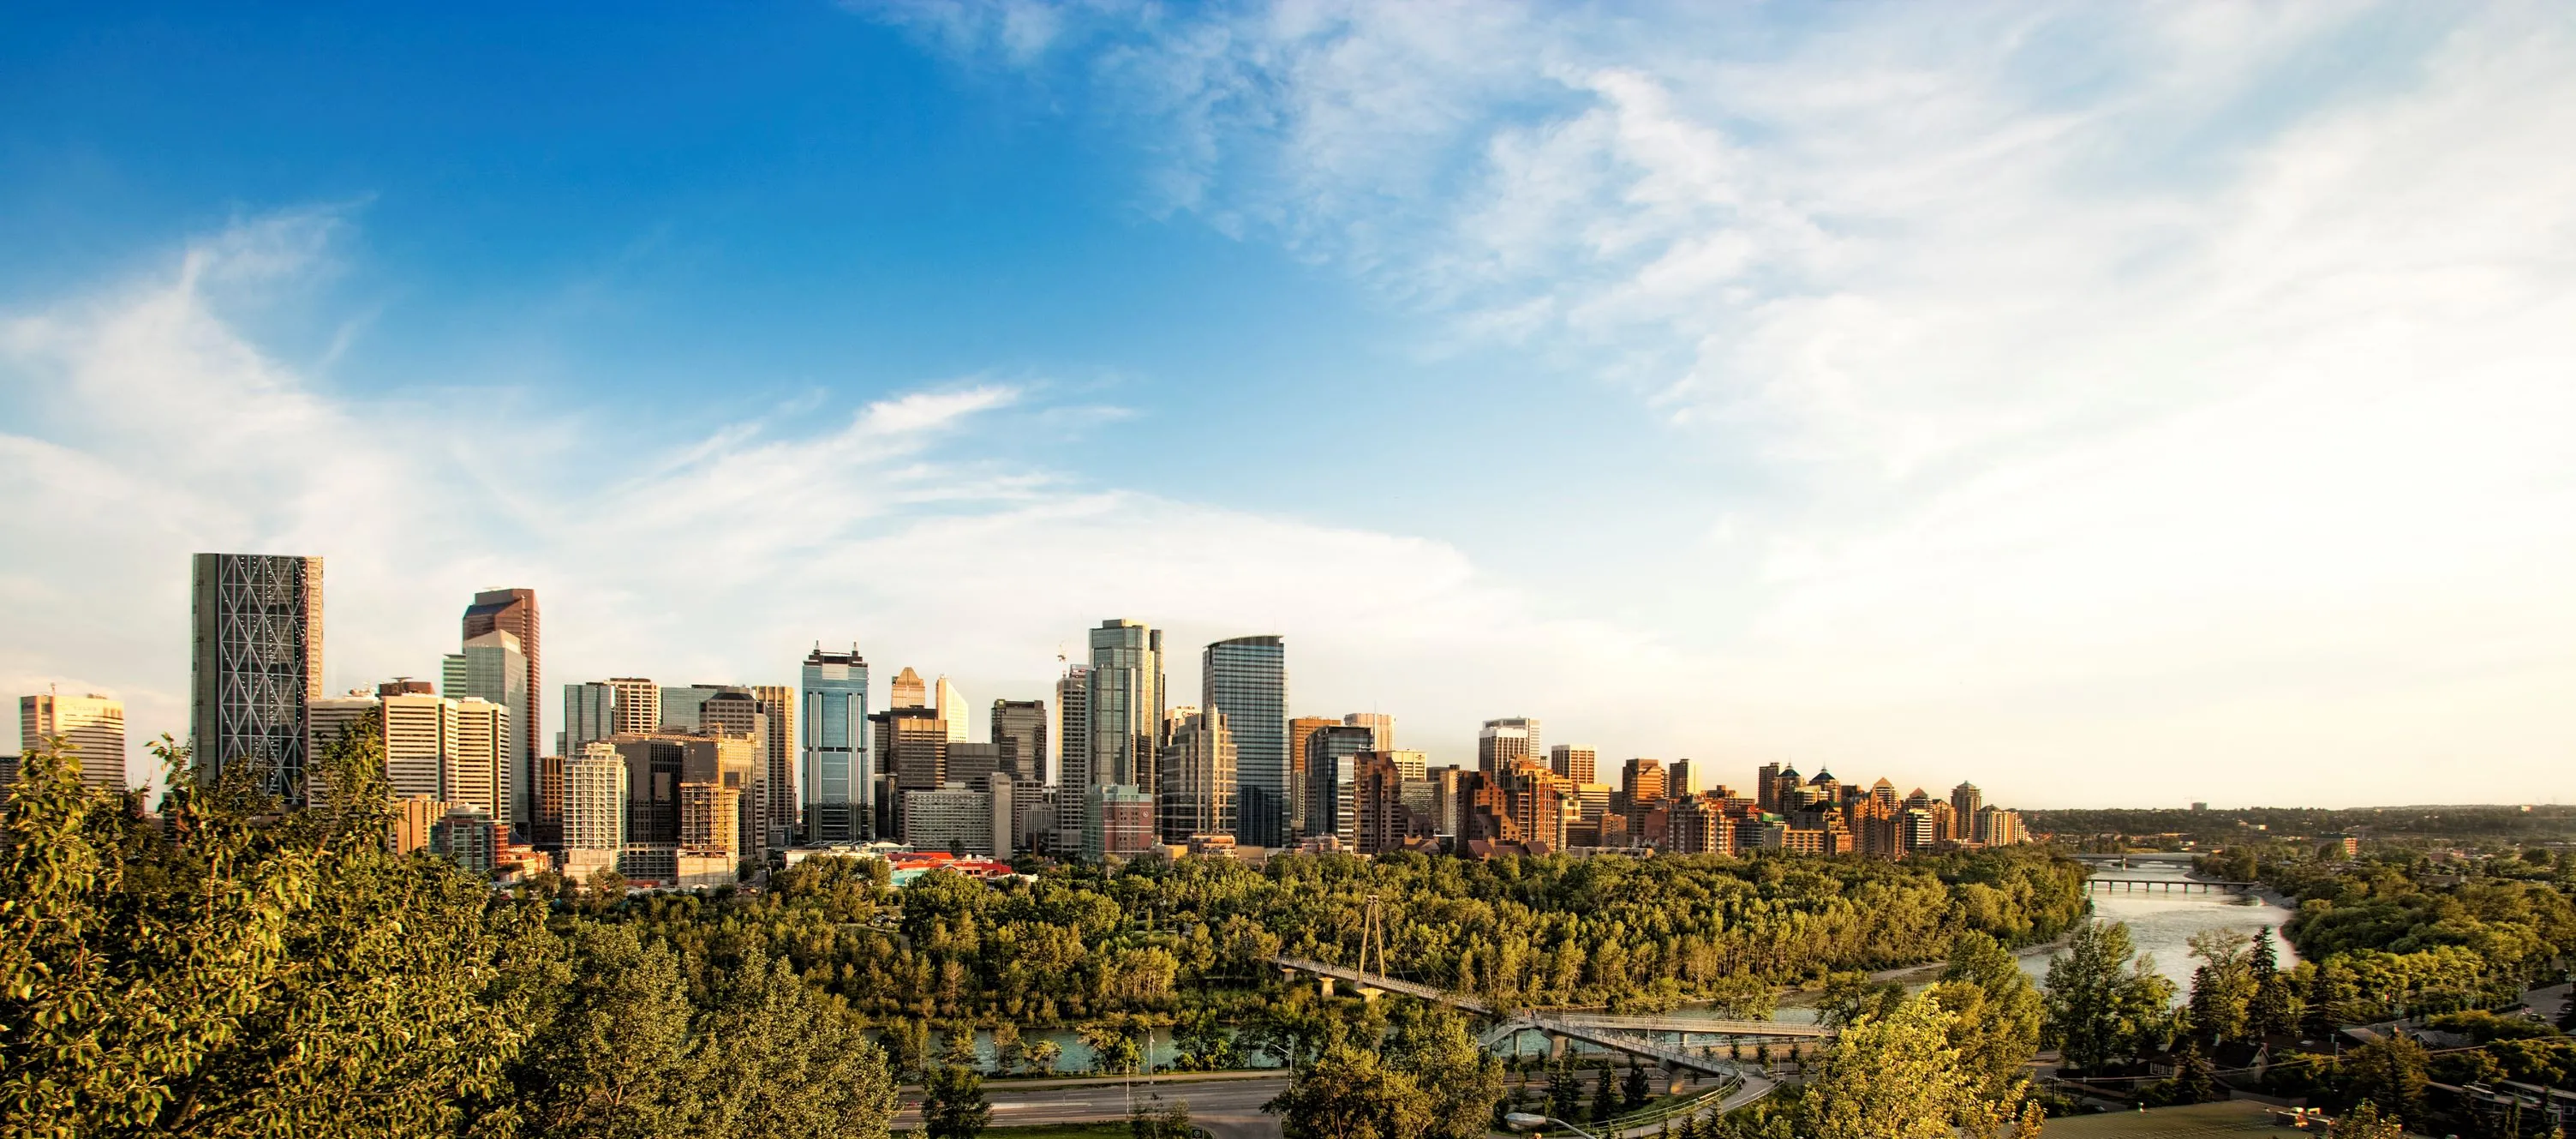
(2232, 1117)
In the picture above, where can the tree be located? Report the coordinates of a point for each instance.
(1891, 1077)
(1043, 1055)
(2365, 1121)
(2104, 1001)
(1462, 1082)
(2388, 1072)
(1204, 1045)
(1605, 1101)
(1113, 1047)
(2195, 1078)
(2224, 985)
(1633, 1092)
(1006, 1048)
(769, 1057)
(1850, 997)
(907, 1046)
(1349, 1093)
(960, 1050)
(952, 1103)
(1153, 1119)
(1996, 1015)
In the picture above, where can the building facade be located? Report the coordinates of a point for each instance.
(1019, 729)
(1332, 781)
(255, 664)
(1299, 731)
(1126, 706)
(1574, 762)
(1500, 742)
(1073, 758)
(836, 772)
(514, 612)
(638, 706)
(1245, 681)
(1199, 775)
(589, 715)
(92, 724)
(493, 668)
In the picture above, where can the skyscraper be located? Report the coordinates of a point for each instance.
(1299, 730)
(1572, 762)
(1126, 707)
(638, 705)
(93, 723)
(254, 665)
(1380, 725)
(1073, 755)
(1965, 802)
(594, 809)
(589, 715)
(481, 774)
(1245, 680)
(514, 611)
(1502, 741)
(952, 711)
(1765, 787)
(1019, 728)
(780, 801)
(1332, 779)
(682, 708)
(494, 668)
(836, 771)
(1644, 780)
(1199, 775)
(1681, 781)
(907, 690)
(420, 742)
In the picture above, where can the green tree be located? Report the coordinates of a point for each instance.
(1461, 1081)
(1605, 1099)
(2389, 1073)
(771, 1059)
(2104, 1001)
(960, 1049)
(1850, 996)
(1633, 1092)
(2223, 986)
(2366, 1121)
(1153, 1119)
(1350, 1093)
(953, 1104)
(1006, 1048)
(1113, 1047)
(1564, 1092)
(907, 1048)
(1995, 1015)
(1891, 1077)
(1043, 1055)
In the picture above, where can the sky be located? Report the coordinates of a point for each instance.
(2110, 404)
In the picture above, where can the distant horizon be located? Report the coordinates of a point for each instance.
(2168, 398)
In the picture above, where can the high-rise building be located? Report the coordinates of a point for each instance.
(1118, 821)
(1198, 768)
(1299, 731)
(912, 745)
(837, 773)
(1380, 725)
(1019, 728)
(1126, 708)
(420, 743)
(514, 611)
(1073, 758)
(255, 663)
(468, 834)
(1502, 741)
(1766, 779)
(1332, 781)
(1573, 762)
(907, 690)
(1681, 780)
(482, 775)
(493, 668)
(779, 800)
(739, 711)
(1381, 820)
(93, 724)
(683, 708)
(1245, 680)
(589, 715)
(970, 762)
(1965, 802)
(952, 711)
(638, 705)
(955, 817)
(1644, 781)
(594, 810)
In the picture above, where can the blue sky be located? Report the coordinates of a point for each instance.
(1989, 392)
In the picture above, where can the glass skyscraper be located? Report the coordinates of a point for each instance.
(838, 777)
(1126, 705)
(1246, 678)
(255, 666)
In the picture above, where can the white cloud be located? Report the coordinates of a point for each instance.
(2185, 386)
(148, 426)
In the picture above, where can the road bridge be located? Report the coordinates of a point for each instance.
(2171, 885)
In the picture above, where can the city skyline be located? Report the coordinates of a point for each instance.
(2173, 390)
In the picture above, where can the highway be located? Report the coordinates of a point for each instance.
(1228, 1108)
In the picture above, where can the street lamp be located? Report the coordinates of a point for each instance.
(1524, 1121)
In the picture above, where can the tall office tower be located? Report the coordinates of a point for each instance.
(913, 747)
(1126, 709)
(1299, 731)
(737, 711)
(972, 763)
(589, 715)
(952, 710)
(1245, 679)
(908, 690)
(1966, 801)
(493, 667)
(1882, 793)
(1020, 729)
(326, 718)
(1413, 766)
(837, 773)
(653, 767)
(1574, 763)
(1680, 781)
(1332, 778)
(1073, 756)
(92, 723)
(1449, 790)
(485, 736)
(1380, 819)
(594, 814)
(514, 611)
(1644, 780)
(779, 802)
(1823, 789)
(255, 662)
(420, 742)
(1505, 740)
(1199, 763)
(638, 706)
(1380, 725)
(683, 708)
(1765, 793)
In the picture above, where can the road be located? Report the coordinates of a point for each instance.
(1229, 1109)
